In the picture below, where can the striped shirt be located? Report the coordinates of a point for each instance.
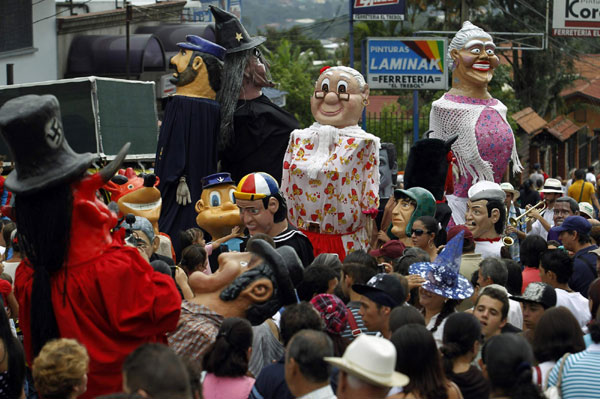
(580, 374)
(354, 307)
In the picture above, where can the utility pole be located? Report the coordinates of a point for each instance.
(464, 11)
(128, 18)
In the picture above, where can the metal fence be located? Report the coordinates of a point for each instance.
(397, 128)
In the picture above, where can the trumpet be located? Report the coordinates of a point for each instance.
(540, 207)
(507, 241)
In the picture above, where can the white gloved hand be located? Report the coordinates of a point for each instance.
(183, 193)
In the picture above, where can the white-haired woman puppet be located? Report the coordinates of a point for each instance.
(485, 140)
(330, 171)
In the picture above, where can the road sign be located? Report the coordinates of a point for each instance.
(576, 18)
(415, 63)
(378, 10)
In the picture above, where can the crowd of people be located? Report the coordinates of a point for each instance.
(431, 320)
(318, 280)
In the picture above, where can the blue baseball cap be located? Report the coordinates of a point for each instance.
(575, 223)
(216, 179)
(196, 43)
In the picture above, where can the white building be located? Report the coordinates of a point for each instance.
(28, 41)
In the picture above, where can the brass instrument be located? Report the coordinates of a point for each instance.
(540, 207)
(507, 241)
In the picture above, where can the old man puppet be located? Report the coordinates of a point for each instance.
(188, 136)
(330, 170)
(485, 143)
(78, 280)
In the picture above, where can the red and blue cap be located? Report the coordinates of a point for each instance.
(255, 186)
(196, 43)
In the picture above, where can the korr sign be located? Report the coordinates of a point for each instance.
(407, 63)
(576, 18)
(378, 10)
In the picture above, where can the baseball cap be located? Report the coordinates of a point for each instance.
(333, 312)
(454, 230)
(575, 223)
(255, 186)
(383, 289)
(537, 292)
(391, 249)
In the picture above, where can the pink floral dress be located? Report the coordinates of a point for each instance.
(330, 176)
(494, 141)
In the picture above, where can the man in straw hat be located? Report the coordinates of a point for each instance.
(79, 280)
(542, 223)
(367, 369)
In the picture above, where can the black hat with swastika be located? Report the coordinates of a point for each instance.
(32, 128)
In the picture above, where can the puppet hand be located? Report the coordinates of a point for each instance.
(382, 236)
(183, 193)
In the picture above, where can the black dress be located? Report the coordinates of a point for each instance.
(186, 147)
(261, 134)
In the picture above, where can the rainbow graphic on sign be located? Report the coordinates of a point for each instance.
(406, 63)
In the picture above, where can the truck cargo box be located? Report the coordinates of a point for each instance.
(100, 114)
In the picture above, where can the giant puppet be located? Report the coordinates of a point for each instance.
(485, 217)
(254, 131)
(187, 145)
(330, 170)
(485, 141)
(79, 280)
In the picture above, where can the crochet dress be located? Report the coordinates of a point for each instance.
(484, 147)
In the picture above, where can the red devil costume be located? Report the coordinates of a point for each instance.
(78, 281)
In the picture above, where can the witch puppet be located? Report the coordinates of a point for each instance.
(330, 170)
(187, 144)
(486, 142)
(254, 131)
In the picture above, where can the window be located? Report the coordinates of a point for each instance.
(16, 25)
(580, 115)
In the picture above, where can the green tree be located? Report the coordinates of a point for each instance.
(537, 76)
(294, 73)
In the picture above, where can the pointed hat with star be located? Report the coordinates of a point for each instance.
(231, 34)
(442, 276)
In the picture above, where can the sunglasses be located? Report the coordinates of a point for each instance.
(418, 232)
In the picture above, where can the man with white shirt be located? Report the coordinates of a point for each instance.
(556, 270)
(306, 371)
(485, 217)
(543, 223)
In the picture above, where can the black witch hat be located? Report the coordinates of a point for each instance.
(231, 34)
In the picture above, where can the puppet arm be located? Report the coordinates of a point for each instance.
(183, 192)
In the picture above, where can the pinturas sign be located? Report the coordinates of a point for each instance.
(406, 63)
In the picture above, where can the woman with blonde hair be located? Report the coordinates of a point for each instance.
(60, 369)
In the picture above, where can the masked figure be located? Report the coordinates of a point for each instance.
(78, 280)
(330, 170)
(254, 131)
(217, 212)
(485, 141)
(411, 204)
(485, 217)
(188, 136)
(253, 285)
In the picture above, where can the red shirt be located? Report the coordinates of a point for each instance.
(530, 275)
(112, 304)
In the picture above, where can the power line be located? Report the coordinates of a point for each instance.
(58, 13)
